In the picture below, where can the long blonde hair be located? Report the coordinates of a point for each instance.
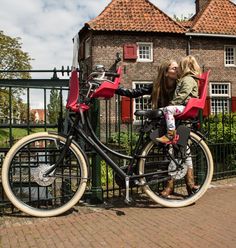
(160, 93)
(189, 65)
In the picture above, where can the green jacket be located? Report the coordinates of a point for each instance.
(187, 87)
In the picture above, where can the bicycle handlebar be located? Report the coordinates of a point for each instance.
(111, 74)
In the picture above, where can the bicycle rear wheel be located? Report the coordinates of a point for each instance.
(23, 175)
(156, 160)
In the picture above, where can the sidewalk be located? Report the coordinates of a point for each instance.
(211, 222)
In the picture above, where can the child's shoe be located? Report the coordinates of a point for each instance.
(167, 138)
(169, 189)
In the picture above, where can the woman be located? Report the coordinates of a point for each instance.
(162, 92)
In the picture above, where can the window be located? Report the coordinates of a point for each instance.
(87, 47)
(220, 95)
(230, 55)
(143, 102)
(145, 52)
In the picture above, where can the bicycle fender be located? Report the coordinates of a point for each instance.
(201, 135)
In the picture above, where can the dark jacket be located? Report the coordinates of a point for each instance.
(146, 90)
(133, 93)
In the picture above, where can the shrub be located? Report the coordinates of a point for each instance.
(221, 128)
(125, 140)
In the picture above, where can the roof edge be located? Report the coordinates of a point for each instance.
(210, 35)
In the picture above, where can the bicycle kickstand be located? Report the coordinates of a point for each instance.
(128, 200)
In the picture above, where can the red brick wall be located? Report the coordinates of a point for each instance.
(210, 53)
(164, 47)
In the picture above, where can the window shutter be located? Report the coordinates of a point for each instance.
(206, 110)
(130, 51)
(126, 109)
(233, 99)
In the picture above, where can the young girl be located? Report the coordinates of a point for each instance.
(187, 87)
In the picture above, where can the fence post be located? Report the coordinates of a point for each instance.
(200, 118)
(96, 190)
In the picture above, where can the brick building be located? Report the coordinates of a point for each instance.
(145, 36)
(38, 115)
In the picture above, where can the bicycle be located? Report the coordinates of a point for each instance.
(45, 174)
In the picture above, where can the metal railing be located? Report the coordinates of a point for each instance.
(21, 113)
(219, 130)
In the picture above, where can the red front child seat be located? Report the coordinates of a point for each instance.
(107, 89)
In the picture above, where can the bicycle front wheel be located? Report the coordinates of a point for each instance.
(155, 160)
(29, 189)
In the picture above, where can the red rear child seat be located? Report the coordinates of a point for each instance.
(194, 104)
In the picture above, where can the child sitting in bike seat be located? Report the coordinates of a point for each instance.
(186, 88)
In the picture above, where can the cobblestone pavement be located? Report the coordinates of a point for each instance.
(211, 222)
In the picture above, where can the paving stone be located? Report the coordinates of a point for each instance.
(210, 222)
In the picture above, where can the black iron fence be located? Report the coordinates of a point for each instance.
(120, 131)
(33, 105)
(28, 106)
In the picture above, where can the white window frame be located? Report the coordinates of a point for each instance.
(214, 101)
(234, 56)
(87, 47)
(151, 51)
(146, 97)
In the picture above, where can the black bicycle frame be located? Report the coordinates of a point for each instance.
(80, 121)
(96, 144)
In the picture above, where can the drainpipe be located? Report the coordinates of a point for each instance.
(189, 45)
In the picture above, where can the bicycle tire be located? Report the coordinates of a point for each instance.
(22, 178)
(203, 168)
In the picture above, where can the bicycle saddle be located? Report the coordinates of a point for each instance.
(150, 114)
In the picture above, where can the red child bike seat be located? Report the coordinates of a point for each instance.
(107, 89)
(73, 94)
(194, 104)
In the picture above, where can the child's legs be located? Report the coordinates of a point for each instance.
(169, 113)
(188, 161)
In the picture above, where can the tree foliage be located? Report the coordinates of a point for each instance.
(182, 18)
(12, 58)
(54, 107)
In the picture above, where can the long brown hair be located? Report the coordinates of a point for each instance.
(160, 93)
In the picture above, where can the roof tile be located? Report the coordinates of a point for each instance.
(134, 15)
(218, 17)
